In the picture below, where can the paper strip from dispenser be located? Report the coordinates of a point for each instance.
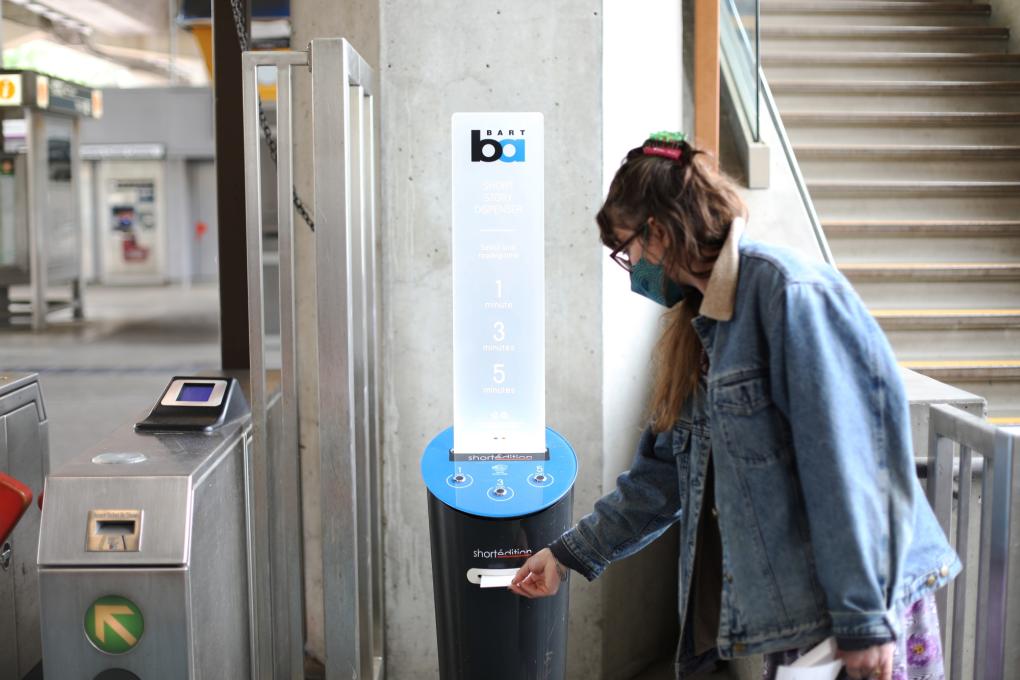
(496, 580)
(820, 663)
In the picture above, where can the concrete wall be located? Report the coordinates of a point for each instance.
(1007, 13)
(468, 56)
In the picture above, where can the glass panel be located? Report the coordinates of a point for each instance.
(740, 40)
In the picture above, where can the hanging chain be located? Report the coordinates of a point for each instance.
(267, 132)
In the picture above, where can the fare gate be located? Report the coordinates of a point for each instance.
(349, 485)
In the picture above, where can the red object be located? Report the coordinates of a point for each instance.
(40, 500)
(200, 229)
(132, 251)
(15, 498)
(664, 151)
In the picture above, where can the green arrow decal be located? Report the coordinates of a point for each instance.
(113, 624)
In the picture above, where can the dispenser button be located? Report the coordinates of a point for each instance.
(459, 480)
(500, 492)
(540, 477)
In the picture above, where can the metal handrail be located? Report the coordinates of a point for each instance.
(765, 92)
(949, 429)
(798, 177)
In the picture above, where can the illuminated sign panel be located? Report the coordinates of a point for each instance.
(498, 283)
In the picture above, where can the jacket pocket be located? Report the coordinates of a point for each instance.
(754, 430)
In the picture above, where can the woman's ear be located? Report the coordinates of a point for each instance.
(659, 233)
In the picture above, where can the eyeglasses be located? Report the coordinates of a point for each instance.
(620, 255)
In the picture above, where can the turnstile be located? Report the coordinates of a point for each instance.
(144, 554)
(24, 454)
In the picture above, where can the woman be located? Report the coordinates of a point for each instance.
(779, 442)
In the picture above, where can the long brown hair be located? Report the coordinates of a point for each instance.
(695, 204)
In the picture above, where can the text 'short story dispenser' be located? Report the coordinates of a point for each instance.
(499, 481)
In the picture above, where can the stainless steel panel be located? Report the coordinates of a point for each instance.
(163, 651)
(164, 503)
(332, 61)
(218, 584)
(160, 487)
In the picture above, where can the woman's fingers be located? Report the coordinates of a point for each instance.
(538, 576)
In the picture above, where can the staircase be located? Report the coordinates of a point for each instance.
(905, 120)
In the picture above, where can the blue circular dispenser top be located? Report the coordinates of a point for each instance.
(499, 485)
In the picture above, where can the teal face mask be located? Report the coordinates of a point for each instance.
(650, 281)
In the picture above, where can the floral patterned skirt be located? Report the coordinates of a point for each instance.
(918, 654)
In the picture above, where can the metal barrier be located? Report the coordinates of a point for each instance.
(988, 452)
(344, 168)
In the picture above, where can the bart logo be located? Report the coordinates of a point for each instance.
(489, 150)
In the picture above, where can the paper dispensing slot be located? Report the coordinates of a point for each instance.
(491, 578)
(113, 530)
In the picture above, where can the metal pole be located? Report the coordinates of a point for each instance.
(286, 478)
(1003, 483)
(339, 503)
(38, 160)
(258, 540)
(77, 284)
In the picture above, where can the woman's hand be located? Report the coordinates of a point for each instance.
(872, 662)
(540, 576)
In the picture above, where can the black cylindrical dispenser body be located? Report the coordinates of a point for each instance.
(493, 633)
(488, 513)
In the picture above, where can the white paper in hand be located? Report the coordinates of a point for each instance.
(820, 663)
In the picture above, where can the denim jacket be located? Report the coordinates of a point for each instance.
(825, 528)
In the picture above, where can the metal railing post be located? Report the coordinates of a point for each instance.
(999, 489)
(274, 489)
(343, 160)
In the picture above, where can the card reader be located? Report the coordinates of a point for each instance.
(196, 404)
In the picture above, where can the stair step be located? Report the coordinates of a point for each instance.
(896, 87)
(947, 319)
(807, 37)
(941, 189)
(957, 249)
(905, 118)
(931, 271)
(901, 95)
(922, 228)
(923, 162)
(907, 65)
(926, 152)
(873, 6)
(897, 13)
(990, 370)
(1011, 420)
(827, 59)
(834, 32)
(902, 127)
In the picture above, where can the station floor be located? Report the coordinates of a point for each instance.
(106, 371)
(100, 373)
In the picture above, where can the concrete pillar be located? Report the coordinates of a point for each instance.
(358, 21)
(438, 58)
